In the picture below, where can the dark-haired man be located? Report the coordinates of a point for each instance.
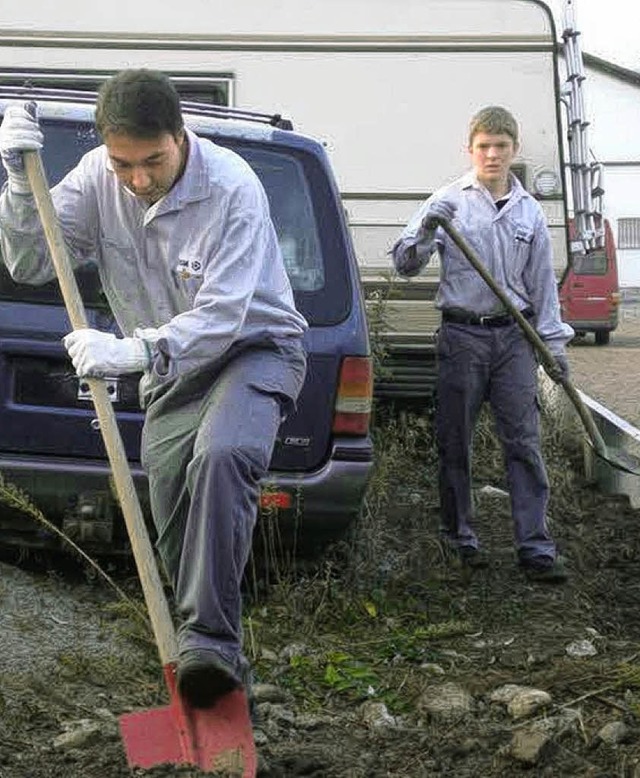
(189, 261)
(482, 353)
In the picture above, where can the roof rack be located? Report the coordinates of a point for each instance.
(28, 92)
(225, 112)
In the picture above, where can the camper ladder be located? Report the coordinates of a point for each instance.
(586, 176)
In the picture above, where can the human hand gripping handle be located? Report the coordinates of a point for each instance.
(19, 132)
(96, 353)
(439, 211)
(559, 372)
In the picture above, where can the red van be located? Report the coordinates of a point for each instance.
(589, 291)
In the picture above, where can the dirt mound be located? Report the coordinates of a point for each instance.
(385, 659)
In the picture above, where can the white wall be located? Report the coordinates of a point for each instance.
(612, 107)
(293, 17)
(389, 88)
(623, 201)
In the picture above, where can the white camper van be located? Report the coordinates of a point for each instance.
(388, 86)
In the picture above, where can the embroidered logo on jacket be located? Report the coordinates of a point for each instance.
(188, 267)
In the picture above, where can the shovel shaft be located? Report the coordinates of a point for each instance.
(546, 357)
(161, 622)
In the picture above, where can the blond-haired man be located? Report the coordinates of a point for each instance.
(482, 353)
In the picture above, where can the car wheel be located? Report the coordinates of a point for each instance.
(602, 337)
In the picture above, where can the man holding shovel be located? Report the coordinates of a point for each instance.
(482, 352)
(189, 261)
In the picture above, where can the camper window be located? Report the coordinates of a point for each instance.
(216, 89)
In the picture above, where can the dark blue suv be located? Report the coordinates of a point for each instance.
(50, 444)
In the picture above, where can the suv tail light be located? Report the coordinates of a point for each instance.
(352, 411)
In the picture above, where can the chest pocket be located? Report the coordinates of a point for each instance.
(120, 273)
(188, 274)
(522, 240)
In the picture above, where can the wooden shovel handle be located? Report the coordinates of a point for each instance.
(141, 545)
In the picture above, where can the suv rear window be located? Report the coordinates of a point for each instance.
(301, 206)
(292, 212)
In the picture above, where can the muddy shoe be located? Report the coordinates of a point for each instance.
(247, 681)
(203, 677)
(544, 569)
(474, 558)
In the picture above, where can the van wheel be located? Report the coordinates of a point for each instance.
(602, 337)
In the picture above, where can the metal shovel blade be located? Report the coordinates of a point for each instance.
(217, 739)
(619, 460)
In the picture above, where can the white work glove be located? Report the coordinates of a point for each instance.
(438, 209)
(19, 132)
(96, 353)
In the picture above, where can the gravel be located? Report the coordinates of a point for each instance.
(43, 617)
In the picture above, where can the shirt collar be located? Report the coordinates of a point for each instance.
(469, 181)
(194, 184)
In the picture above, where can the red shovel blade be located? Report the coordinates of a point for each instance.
(217, 739)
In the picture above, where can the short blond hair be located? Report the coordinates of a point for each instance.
(494, 120)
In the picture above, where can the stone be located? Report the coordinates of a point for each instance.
(527, 701)
(613, 733)
(445, 701)
(375, 715)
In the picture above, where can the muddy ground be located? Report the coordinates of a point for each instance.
(358, 645)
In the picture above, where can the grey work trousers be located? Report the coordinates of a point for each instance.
(498, 365)
(207, 441)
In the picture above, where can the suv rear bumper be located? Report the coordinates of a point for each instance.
(606, 322)
(326, 501)
(77, 497)
(595, 325)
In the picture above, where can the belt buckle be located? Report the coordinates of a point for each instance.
(484, 320)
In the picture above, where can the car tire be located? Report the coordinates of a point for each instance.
(602, 337)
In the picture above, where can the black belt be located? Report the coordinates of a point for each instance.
(488, 320)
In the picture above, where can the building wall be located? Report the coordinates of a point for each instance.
(612, 107)
(623, 202)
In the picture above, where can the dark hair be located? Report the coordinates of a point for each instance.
(494, 120)
(141, 103)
